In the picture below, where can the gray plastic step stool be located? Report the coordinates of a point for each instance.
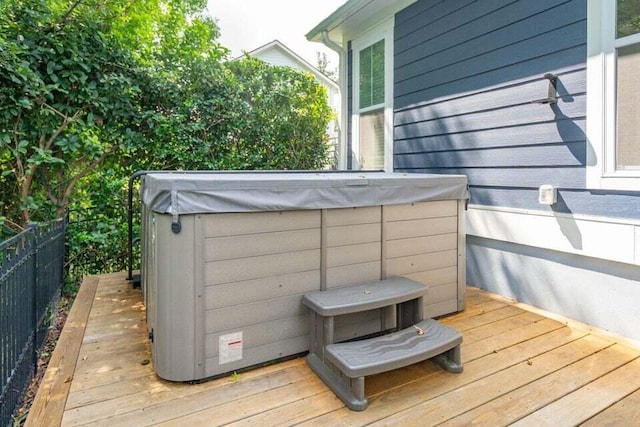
(343, 366)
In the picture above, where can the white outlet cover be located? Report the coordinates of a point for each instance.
(547, 195)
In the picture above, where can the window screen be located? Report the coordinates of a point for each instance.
(627, 88)
(372, 75)
(628, 108)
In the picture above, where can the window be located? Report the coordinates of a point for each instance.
(613, 94)
(371, 106)
(372, 110)
(372, 75)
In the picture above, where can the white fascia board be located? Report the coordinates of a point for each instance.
(332, 22)
(264, 47)
(605, 238)
(356, 16)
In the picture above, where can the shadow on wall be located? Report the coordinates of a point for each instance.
(568, 284)
(568, 225)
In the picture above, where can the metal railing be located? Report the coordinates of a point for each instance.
(31, 278)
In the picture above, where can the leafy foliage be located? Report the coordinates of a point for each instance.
(285, 118)
(322, 64)
(70, 101)
(91, 91)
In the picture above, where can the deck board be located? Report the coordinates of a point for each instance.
(477, 393)
(519, 367)
(625, 412)
(51, 397)
(574, 408)
(539, 393)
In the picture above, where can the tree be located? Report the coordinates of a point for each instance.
(68, 101)
(322, 64)
(91, 91)
(83, 81)
(284, 118)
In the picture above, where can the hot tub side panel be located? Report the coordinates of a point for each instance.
(178, 323)
(257, 267)
(422, 242)
(225, 293)
(353, 238)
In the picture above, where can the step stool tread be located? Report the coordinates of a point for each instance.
(392, 351)
(368, 296)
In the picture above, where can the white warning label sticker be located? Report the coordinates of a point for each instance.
(230, 348)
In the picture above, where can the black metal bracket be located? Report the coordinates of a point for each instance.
(130, 242)
(552, 93)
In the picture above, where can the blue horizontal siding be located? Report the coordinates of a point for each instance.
(502, 117)
(413, 45)
(521, 92)
(511, 32)
(566, 177)
(425, 14)
(465, 75)
(556, 62)
(567, 130)
(554, 41)
(447, 23)
(563, 154)
(623, 205)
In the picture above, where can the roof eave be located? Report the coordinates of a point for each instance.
(355, 16)
(336, 19)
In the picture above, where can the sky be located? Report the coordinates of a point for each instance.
(248, 24)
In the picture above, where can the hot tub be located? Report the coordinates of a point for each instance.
(226, 257)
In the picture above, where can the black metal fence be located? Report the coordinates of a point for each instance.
(31, 277)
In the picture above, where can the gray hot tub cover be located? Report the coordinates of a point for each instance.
(180, 193)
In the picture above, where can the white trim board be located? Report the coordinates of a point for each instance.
(383, 31)
(597, 237)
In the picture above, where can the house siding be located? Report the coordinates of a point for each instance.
(560, 282)
(465, 74)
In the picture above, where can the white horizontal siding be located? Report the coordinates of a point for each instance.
(598, 237)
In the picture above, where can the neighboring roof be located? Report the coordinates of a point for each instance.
(355, 16)
(276, 44)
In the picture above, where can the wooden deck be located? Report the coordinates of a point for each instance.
(520, 368)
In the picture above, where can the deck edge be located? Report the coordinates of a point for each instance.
(50, 401)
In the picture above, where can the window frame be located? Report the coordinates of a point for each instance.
(382, 31)
(601, 99)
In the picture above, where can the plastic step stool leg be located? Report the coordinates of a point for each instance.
(450, 360)
(357, 388)
(352, 396)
